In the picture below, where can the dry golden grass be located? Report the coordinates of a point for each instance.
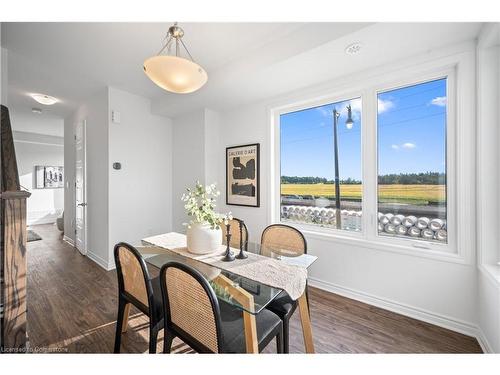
(405, 193)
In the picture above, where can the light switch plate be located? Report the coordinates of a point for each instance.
(115, 117)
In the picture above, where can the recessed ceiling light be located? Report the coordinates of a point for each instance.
(44, 99)
(36, 110)
(353, 48)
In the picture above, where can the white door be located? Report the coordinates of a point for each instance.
(80, 188)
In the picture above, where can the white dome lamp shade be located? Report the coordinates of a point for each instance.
(175, 73)
(44, 99)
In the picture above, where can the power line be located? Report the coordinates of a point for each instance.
(413, 94)
(358, 131)
(412, 119)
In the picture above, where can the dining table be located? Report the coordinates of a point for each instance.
(232, 283)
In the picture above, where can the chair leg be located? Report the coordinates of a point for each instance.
(307, 298)
(279, 341)
(119, 324)
(286, 335)
(168, 337)
(153, 338)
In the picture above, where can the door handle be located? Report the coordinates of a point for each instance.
(82, 204)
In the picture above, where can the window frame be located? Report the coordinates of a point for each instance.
(276, 181)
(459, 248)
(449, 75)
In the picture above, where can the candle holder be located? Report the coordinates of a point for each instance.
(229, 257)
(241, 254)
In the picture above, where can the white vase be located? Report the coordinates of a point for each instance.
(201, 239)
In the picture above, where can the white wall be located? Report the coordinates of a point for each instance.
(140, 193)
(197, 154)
(188, 161)
(3, 76)
(127, 204)
(44, 206)
(488, 173)
(43, 123)
(95, 112)
(238, 127)
(430, 289)
(213, 150)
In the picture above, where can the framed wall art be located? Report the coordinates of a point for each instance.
(49, 177)
(243, 175)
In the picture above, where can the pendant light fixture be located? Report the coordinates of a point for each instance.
(175, 73)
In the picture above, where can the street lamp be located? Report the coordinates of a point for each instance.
(349, 123)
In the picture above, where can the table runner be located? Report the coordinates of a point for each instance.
(256, 267)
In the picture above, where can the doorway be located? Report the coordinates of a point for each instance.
(81, 187)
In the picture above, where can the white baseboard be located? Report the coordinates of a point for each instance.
(99, 260)
(94, 257)
(483, 342)
(69, 240)
(410, 311)
(111, 265)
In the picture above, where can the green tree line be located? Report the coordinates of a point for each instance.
(423, 178)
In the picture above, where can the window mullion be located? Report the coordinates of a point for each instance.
(369, 163)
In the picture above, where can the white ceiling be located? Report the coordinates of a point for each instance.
(245, 61)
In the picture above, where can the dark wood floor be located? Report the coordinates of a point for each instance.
(72, 308)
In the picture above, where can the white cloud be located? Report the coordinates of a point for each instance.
(408, 145)
(440, 101)
(324, 112)
(384, 105)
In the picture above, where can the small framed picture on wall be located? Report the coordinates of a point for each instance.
(49, 177)
(243, 175)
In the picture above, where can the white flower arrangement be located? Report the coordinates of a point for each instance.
(200, 206)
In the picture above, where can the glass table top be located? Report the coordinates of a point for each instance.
(229, 286)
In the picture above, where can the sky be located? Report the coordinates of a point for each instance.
(411, 135)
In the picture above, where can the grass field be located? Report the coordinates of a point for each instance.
(415, 194)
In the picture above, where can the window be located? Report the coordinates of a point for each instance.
(311, 161)
(411, 126)
(405, 165)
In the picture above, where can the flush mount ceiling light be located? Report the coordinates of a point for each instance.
(175, 73)
(44, 99)
(353, 48)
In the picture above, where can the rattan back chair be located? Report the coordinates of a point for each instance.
(284, 238)
(194, 314)
(239, 234)
(287, 241)
(191, 308)
(137, 288)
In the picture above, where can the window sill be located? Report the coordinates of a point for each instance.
(357, 239)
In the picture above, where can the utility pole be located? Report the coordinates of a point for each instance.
(349, 124)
